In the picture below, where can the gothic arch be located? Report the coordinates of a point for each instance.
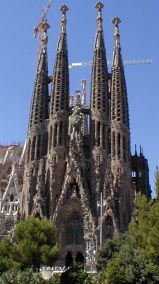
(68, 259)
(80, 257)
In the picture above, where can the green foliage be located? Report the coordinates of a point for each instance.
(137, 260)
(96, 278)
(131, 265)
(74, 275)
(21, 277)
(157, 183)
(35, 244)
(109, 248)
(56, 279)
(7, 255)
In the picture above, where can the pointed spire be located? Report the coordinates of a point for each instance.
(120, 148)
(62, 43)
(119, 91)
(99, 40)
(117, 57)
(39, 107)
(116, 21)
(60, 87)
(99, 7)
(99, 81)
(135, 150)
(64, 9)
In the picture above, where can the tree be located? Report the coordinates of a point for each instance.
(7, 255)
(157, 183)
(21, 277)
(34, 244)
(131, 265)
(138, 258)
(74, 274)
(109, 248)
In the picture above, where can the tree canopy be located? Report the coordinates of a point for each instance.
(137, 260)
(34, 244)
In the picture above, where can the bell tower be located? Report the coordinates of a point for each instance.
(120, 136)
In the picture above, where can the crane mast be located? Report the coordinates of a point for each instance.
(42, 28)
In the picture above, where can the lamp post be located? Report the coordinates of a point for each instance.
(101, 219)
(100, 204)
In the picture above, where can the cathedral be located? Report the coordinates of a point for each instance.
(77, 165)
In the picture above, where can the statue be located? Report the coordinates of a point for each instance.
(38, 205)
(75, 121)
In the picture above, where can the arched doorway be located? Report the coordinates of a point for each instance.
(80, 257)
(68, 259)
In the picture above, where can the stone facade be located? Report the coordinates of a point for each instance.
(78, 163)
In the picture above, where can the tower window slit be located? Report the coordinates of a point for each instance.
(55, 136)
(98, 134)
(113, 144)
(119, 145)
(104, 136)
(109, 142)
(45, 143)
(50, 138)
(124, 149)
(33, 148)
(61, 133)
(38, 147)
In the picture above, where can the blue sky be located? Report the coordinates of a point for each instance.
(139, 40)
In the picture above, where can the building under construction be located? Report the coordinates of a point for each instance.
(77, 169)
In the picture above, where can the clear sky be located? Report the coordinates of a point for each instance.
(139, 40)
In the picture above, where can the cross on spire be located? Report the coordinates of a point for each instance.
(64, 9)
(116, 21)
(99, 6)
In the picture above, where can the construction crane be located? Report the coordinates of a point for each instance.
(109, 62)
(42, 28)
(39, 26)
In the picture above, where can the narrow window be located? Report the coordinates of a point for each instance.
(33, 148)
(119, 151)
(55, 135)
(124, 149)
(38, 147)
(50, 138)
(98, 133)
(104, 136)
(113, 144)
(61, 133)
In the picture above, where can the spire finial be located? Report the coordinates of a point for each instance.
(99, 6)
(63, 9)
(116, 21)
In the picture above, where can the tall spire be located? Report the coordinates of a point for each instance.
(120, 135)
(39, 106)
(99, 7)
(60, 87)
(99, 82)
(119, 91)
(99, 87)
(99, 119)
